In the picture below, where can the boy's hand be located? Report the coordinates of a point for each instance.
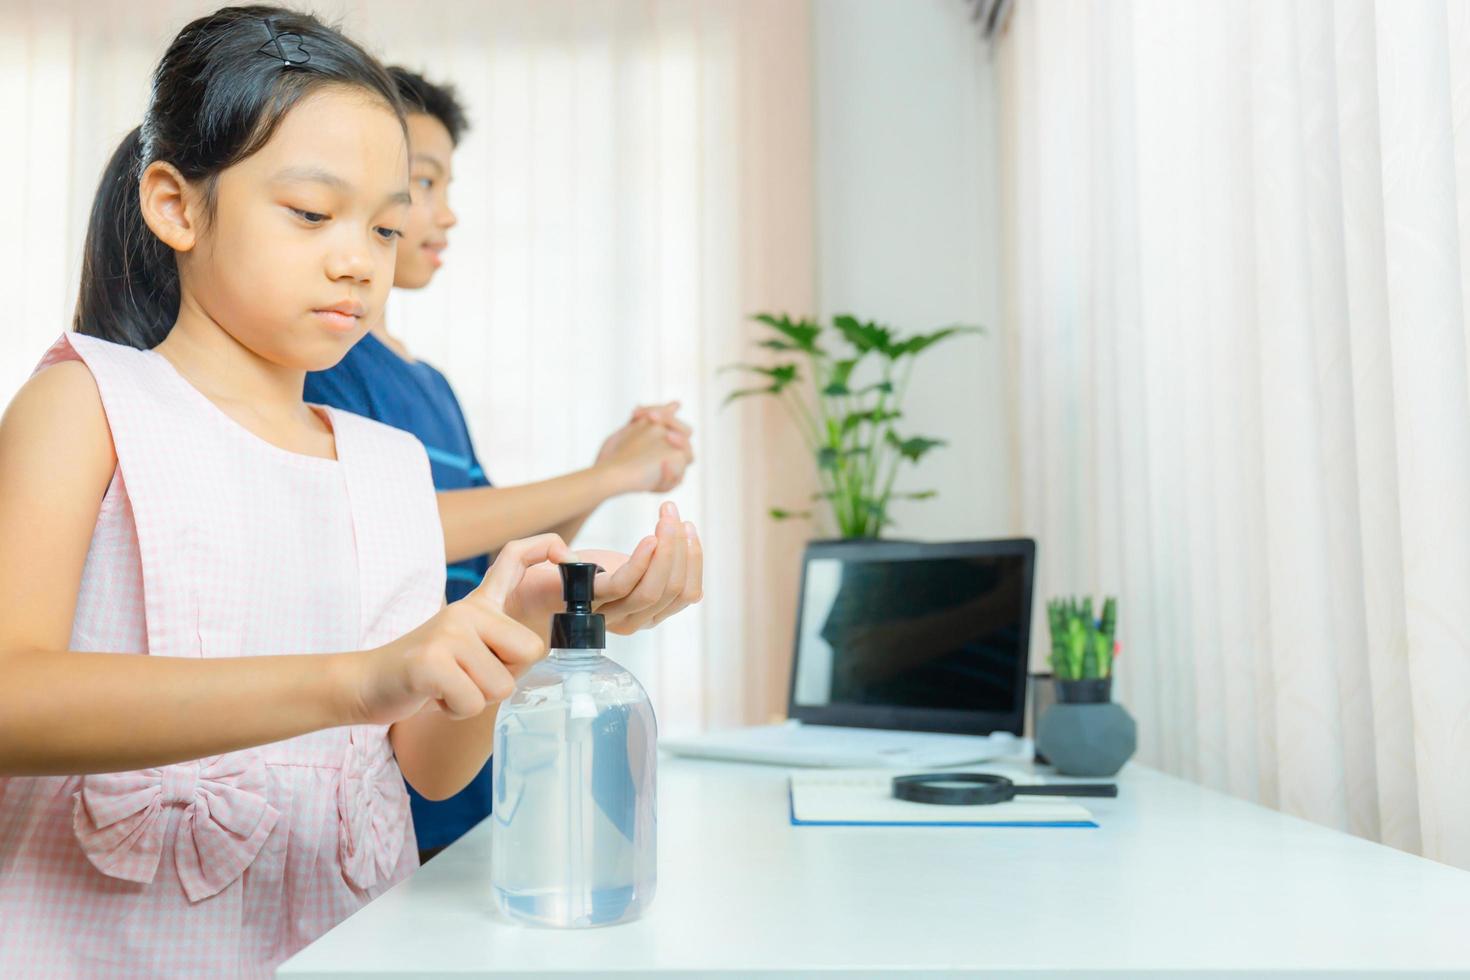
(652, 451)
(667, 415)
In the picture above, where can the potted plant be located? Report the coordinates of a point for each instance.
(1084, 733)
(847, 403)
(1082, 649)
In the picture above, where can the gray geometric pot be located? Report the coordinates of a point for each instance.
(1087, 739)
(1091, 690)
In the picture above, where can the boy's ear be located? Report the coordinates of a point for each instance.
(172, 206)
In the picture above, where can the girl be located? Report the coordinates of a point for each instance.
(213, 806)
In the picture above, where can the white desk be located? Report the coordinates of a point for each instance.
(1177, 880)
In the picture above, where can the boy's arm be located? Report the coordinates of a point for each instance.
(480, 520)
(644, 455)
(679, 433)
(570, 529)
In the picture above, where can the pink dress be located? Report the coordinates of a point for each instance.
(212, 542)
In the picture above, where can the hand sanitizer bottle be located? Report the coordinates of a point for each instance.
(576, 751)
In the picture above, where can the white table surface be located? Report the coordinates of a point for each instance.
(1178, 879)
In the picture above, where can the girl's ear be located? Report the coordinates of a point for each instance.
(171, 206)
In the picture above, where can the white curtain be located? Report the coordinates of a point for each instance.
(637, 179)
(1238, 261)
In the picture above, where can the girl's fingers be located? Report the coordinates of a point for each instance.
(694, 577)
(648, 594)
(675, 584)
(515, 647)
(610, 587)
(490, 676)
(650, 587)
(459, 694)
(693, 590)
(511, 564)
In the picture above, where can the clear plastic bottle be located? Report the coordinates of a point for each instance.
(576, 751)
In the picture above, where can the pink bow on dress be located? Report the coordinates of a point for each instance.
(120, 819)
(373, 807)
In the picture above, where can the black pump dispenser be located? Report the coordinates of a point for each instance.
(579, 628)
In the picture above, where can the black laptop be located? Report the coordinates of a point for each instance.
(907, 654)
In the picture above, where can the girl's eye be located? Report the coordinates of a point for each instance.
(427, 183)
(310, 217)
(388, 234)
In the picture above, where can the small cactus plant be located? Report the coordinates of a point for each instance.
(1082, 648)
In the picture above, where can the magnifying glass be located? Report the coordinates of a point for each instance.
(971, 788)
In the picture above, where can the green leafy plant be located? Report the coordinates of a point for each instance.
(1082, 648)
(846, 404)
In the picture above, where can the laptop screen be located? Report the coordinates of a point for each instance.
(919, 636)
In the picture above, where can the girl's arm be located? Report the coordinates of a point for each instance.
(68, 712)
(88, 712)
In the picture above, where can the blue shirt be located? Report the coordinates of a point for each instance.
(374, 381)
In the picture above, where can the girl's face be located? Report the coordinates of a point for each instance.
(431, 152)
(298, 258)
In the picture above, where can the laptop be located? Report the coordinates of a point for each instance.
(908, 655)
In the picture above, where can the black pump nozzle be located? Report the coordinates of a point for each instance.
(576, 585)
(579, 628)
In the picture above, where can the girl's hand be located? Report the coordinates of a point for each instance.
(664, 574)
(466, 657)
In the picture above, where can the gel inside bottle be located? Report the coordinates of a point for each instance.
(576, 750)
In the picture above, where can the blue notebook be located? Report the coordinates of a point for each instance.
(864, 798)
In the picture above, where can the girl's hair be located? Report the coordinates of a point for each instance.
(222, 88)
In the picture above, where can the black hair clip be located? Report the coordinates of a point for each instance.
(287, 47)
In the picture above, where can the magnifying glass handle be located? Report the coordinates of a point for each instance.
(1072, 789)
